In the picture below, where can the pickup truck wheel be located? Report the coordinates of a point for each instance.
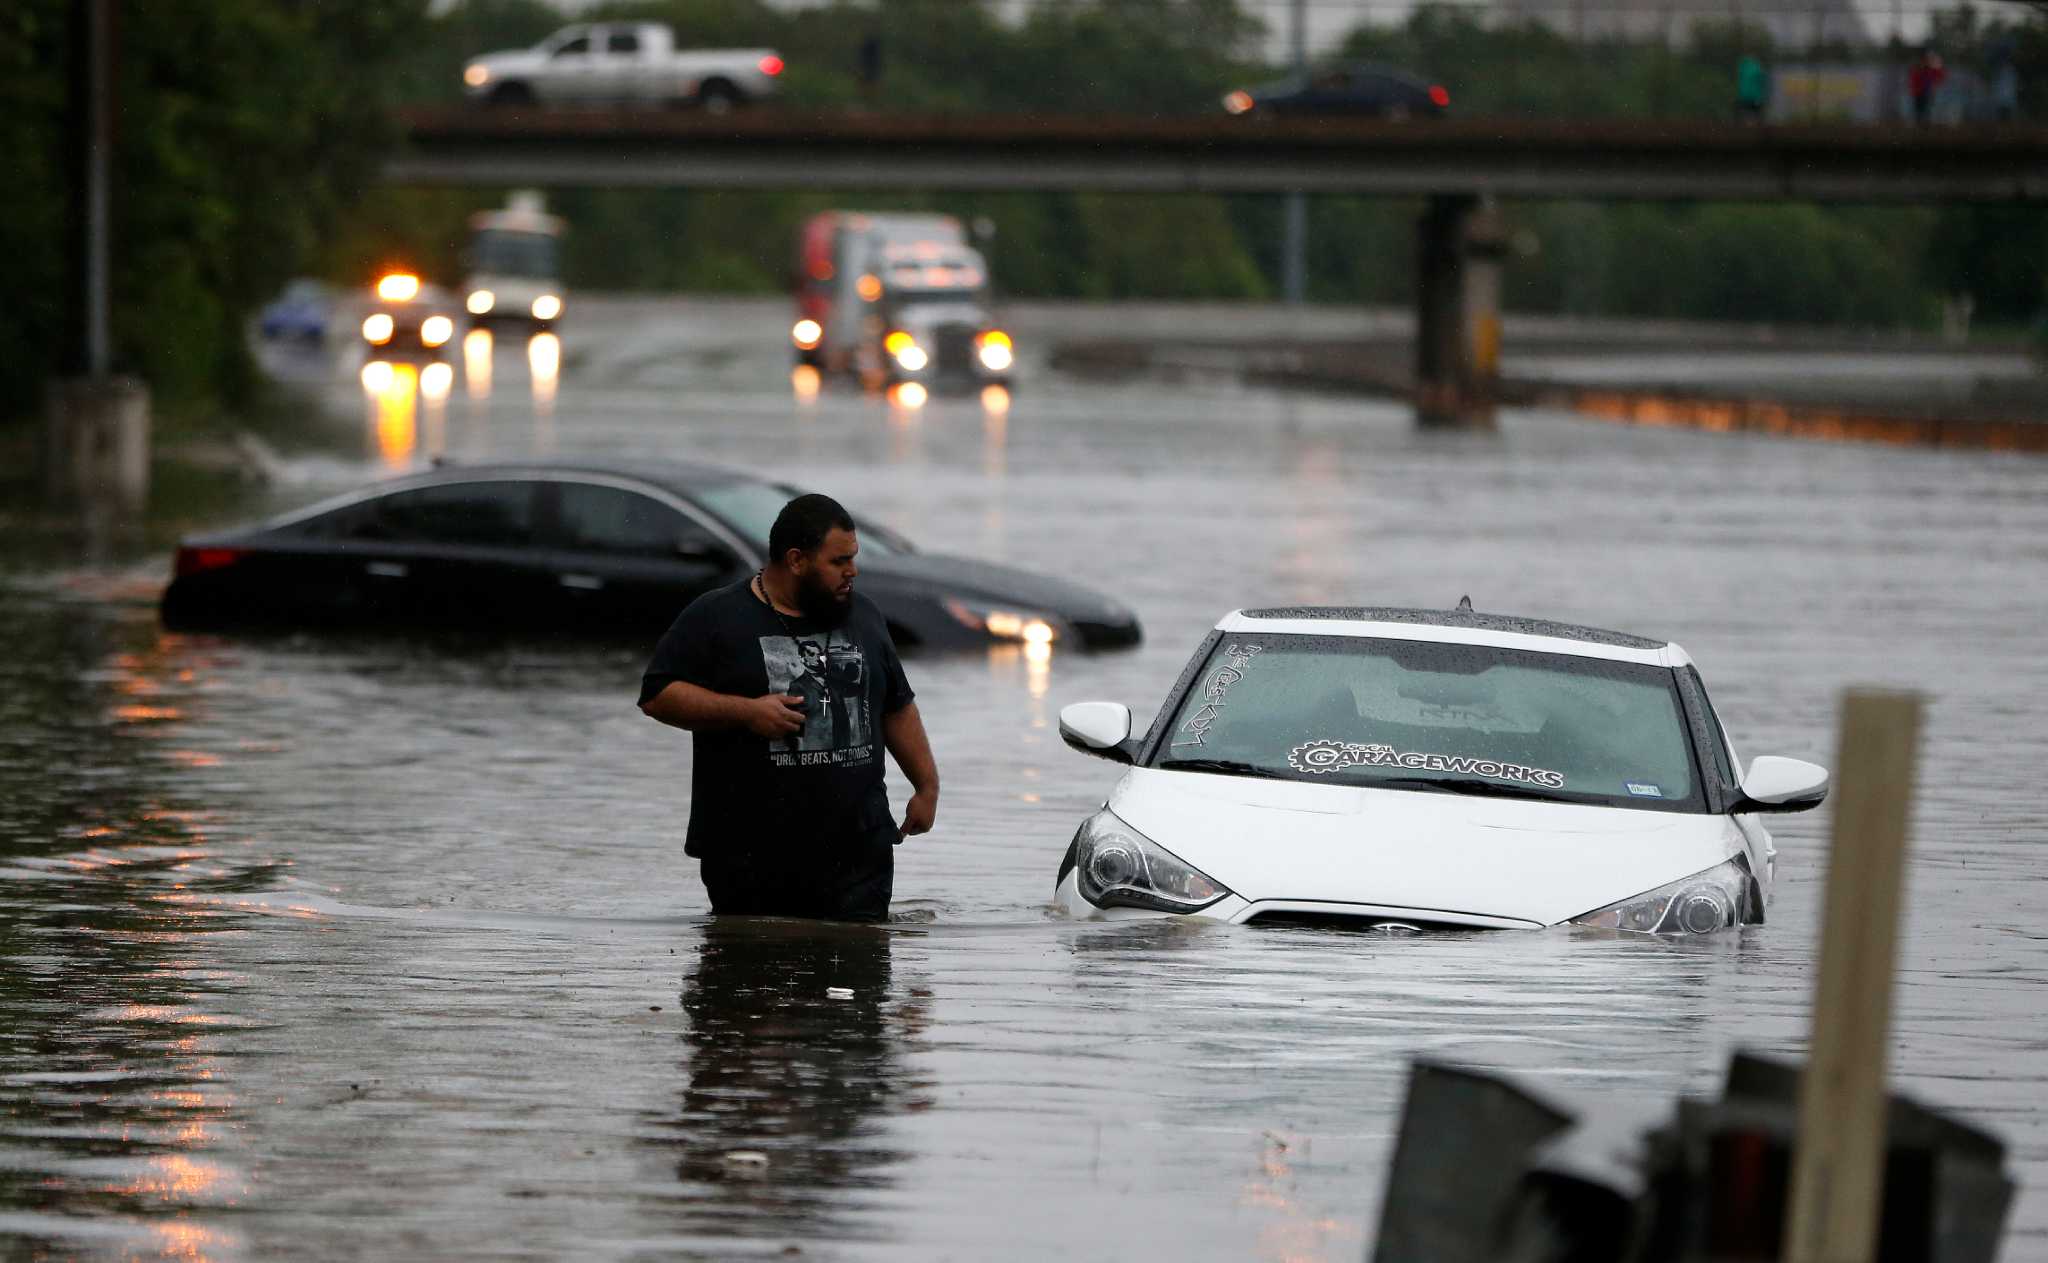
(718, 97)
(514, 93)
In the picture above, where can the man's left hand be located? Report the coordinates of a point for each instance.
(918, 814)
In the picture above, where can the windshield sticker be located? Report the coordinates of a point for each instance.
(1236, 660)
(1320, 757)
(1641, 790)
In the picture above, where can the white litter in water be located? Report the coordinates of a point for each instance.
(746, 1158)
(839, 993)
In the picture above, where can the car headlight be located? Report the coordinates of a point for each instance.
(806, 333)
(1118, 867)
(481, 301)
(1005, 624)
(378, 328)
(435, 330)
(546, 307)
(995, 351)
(476, 76)
(1700, 904)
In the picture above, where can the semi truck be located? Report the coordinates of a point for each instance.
(890, 298)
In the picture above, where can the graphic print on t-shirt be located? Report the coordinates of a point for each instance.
(829, 673)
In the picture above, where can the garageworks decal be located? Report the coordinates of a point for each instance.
(1319, 757)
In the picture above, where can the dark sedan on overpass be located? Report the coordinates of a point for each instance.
(589, 548)
(1354, 90)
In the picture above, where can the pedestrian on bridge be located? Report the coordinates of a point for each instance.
(1923, 81)
(1752, 88)
(791, 689)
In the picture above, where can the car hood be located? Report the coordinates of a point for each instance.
(988, 581)
(1425, 851)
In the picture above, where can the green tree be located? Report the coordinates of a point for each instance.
(243, 129)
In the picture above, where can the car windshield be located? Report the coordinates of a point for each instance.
(1426, 715)
(503, 252)
(750, 508)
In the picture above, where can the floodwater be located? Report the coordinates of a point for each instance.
(376, 949)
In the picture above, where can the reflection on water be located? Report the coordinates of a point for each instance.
(391, 392)
(995, 400)
(477, 350)
(117, 1106)
(795, 1054)
(544, 361)
(805, 381)
(907, 397)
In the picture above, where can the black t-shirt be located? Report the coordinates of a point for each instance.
(815, 786)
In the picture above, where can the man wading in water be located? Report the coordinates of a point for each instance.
(782, 680)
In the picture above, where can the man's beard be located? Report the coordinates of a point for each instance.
(821, 604)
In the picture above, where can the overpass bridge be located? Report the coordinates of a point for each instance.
(1461, 166)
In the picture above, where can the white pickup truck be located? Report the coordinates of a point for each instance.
(616, 63)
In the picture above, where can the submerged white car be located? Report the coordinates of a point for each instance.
(1430, 769)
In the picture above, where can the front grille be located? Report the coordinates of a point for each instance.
(1376, 924)
(953, 349)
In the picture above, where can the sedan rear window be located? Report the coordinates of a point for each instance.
(1428, 715)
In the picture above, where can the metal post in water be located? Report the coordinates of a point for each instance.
(99, 135)
(1838, 1166)
(1294, 243)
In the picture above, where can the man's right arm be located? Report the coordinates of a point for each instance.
(697, 709)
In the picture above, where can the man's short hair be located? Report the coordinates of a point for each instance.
(804, 523)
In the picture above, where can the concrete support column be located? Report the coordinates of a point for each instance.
(95, 449)
(1459, 244)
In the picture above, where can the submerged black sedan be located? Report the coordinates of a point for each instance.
(589, 548)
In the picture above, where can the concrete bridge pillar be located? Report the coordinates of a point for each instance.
(1459, 245)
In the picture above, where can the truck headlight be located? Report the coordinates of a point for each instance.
(435, 330)
(806, 334)
(1115, 866)
(995, 351)
(1700, 904)
(377, 328)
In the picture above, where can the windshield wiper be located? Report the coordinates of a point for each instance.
(1472, 785)
(1231, 767)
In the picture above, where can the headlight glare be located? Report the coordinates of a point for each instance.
(1006, 624)
(1717, 899)
(1118, 867)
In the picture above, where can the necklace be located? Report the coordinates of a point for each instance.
(761, 590)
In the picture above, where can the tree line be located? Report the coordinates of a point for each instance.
(250, 130)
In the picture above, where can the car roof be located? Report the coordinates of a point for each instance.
(1464, 626)
(680, 477)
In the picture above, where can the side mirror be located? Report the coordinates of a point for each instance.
(1102, 729)
(1775, 784)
